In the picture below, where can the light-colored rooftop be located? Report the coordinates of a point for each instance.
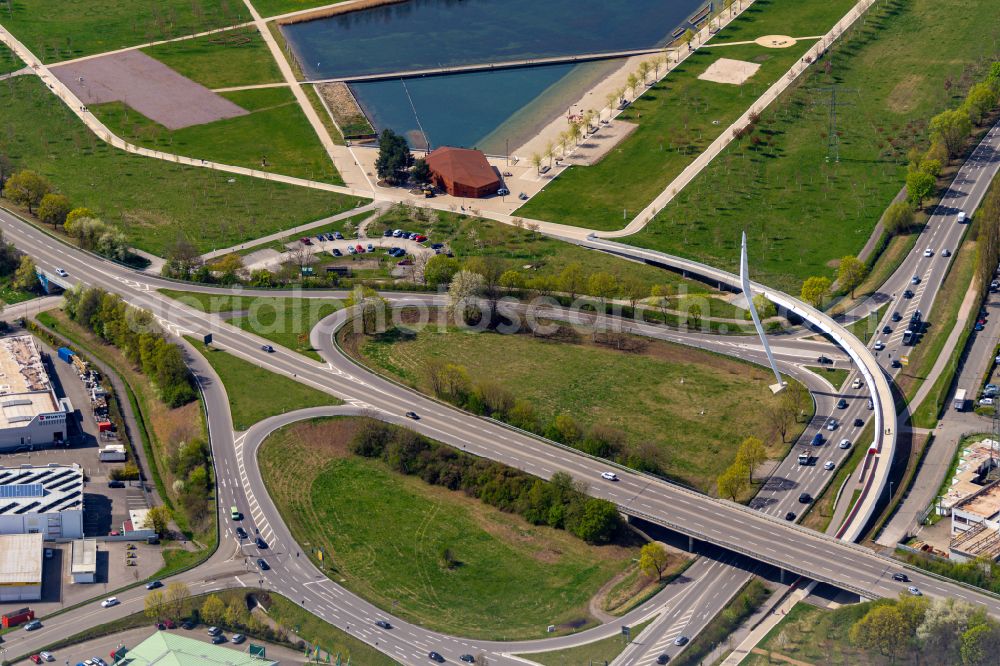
(166, 649)
(84, 556)
(25, 390)
(981, 540)
(21, 559)
(962, 483)
(986, 504)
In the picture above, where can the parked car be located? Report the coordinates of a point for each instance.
(503, 191)
(306, 241)
(609, 476)
(169, 624)
(36, 658)
(886, 330)
(187, 624)
(437, 246)
(387, 232)
(338, 235)
(214, 631)
(109, 602)
(986, 402)
(337, 253)
(371, 248)
(359, 249)
(217, 640)
(522, 196)
(351, 250)
(116, 484)
(420, 238)
(237, 639)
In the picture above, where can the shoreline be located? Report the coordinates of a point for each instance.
(335, 10)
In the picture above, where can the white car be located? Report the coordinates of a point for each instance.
(61, 272)
(845, 443)
(928, 252)
(857, 383)
(609, 476)
(986, 402)
(110, 601)
(829, 465)
(914, 590)
(46, 656)
(832, 424)
(879, 345)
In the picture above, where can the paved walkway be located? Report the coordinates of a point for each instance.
(776, 615)
(256, 86)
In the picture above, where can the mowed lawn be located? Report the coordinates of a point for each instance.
(237, 57)
(256, 393)
(799, 210)
(284, 321)
(383, 535)
(693, 406)
(8, 61)
(64, 29)
(275, 136)
(275, 7)
(680, 116)
(153, 201)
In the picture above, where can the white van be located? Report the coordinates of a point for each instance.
(961, 217)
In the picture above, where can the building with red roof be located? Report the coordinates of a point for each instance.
(462, 172)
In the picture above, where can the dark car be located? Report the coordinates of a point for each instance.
(895, 363)
(34, 624)
(907, 294)
(842, 404)
(218, 639)
(901, 577)
(116, 484)
(238, 638)
(261, 543)
(262, 564)
(896, 316)
(887, 329)
(268, 348)
(387, 232)
(858, 423)
(337, 253)
(434, 656)
(468, 658)
(823, 360)
(790, 515)
(437, 246)
(412, 415)
(805, 498)
(663, 658)
(187, 624)
(241, 533)
(153, 584)
(383, 624)
(161, 626)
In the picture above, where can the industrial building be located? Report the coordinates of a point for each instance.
(20, 567)
(31, 415)
(168, 649)
(83, 568)
(44, 500)
(462, 172)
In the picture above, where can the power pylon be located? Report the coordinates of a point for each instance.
(832, 139)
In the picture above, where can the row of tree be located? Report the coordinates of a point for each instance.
(136, 334)
(559, 503)
(940, 632)
(174, 603)
(190, 462)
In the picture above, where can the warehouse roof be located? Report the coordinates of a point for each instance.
(84, 556)
(21, 559)
(25, 390)
(462, 165)
(47, 489)
(166, 649)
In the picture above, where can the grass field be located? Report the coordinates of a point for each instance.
(471, 236)
(598, 652)
(8, 61)
(238, 57)
(153, 201)
(835, 376)
(284, 321)
(891, 75)
(680, 116)
(274, 137)
(686, 403)
(255, 393)
(513, 579)
(64, 29)
(323, 114)
(275, 7)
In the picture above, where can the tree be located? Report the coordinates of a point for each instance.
(155, 604)
(213, 611)
(644, 68)
(571, 279)
(595, 520)
(440, 269)
(6, 169)
(633, 289)
(654, 559)
(565, 429)
(952, 128)
(373, 309)
(851, 273)
(688, 37)
(781, 415)
(77, 213)
(632, 82)
(765, 308)
(898, 218)
(53, 209)
(27, 188)
(159, 519)
(602, 285)
(464, 292)
(236, 614)
(980, 644)
(799, 398)
(490, 268)
(229, 266)
(511, 280)
(942, 627)
(394, 158)
(177, 595)
(421, 173)
(750, 454)
(919, 186)
(814, 289)
(882, 628)
(536, 161)
(660, 295)
(26, 275)
(980, 101)
(732, 482)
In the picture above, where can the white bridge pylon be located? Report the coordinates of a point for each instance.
(745, 281)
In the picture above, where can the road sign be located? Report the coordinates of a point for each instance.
(627, 633)
(257, 651)
(207, 339)
(118, 654)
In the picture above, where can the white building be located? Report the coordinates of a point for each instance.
(84, 564)
(20, 567)
(42, 500)
(138, 526)
(982, 506)
(30, 414)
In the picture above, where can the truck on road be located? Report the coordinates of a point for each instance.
(959, 401)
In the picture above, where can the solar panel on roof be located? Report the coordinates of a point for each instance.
(27, 490)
